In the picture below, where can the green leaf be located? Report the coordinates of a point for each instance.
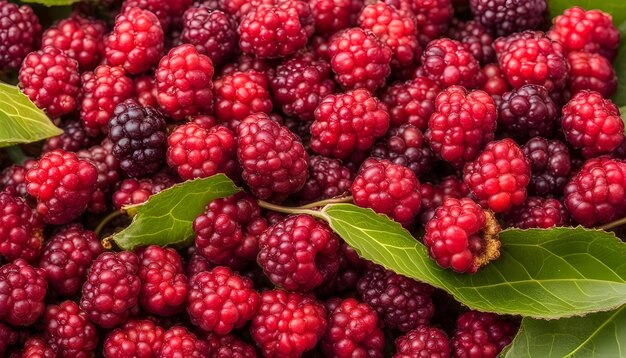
(167, 217)
(595, 335)
(617, 8)
(553, 273)
(20, 120)
(52, 2)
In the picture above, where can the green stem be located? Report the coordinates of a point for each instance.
(613, 224)
(16, 154)
(288, 210)
(322, 203)
(106, 221)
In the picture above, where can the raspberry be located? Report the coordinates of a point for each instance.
(475, 37)
(80, 38)
(288, 324)
(69, 330)
(229, 346)
(139, 138)
(423, 342)
(62, 183)
(300, 83)
(13, 178)
(462, 236)
(348, 122)
(550, 166)
(73, 139)
(184, 82)
(22, 293)
(298, 253)
(220, 300)
(353, 331)
(449, 62)
(589, 71)
(111, 290)
(359, 59)
(66, 257)
(393, 29)
(37, 347)
(21, 229)
(196, 152)
(433, 195)
(431, 16)
(592, 124)
(239, 94)
(136, 338)
(212, 32)
(20, 32)
(328, 178)
(179, 342)
(8, 337)
(492, 81)
(404, 146)
(389, 189)
(590, 31)
(504, 17)
(596, 194)
(481, 334)
(401, 302)
(461, 124)
(226, 233)
(273, 159)
(538, 212)
(51, 80)
(528, 112)
(278, 30)
(333, 15)
(499, 176)
(103, 89)
(530, 57)
(133, 191)
(163, 281)
(136, 42)
(411, 102)
(145, 91)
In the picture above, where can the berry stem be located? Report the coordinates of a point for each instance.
(613, 224)
(322, 203)
(16, 154)
(292, 210)
(106, 221)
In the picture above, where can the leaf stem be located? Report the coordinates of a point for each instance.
(613, 224)
(106, 221)
(16, 154)
(292, 210)
(322, 203)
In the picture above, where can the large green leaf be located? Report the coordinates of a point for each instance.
(20, 120)
(167, 217)
(540, 273)
(598, 335)
(52, 2)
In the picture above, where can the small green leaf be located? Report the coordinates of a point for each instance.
(20, 120)
(167, 217)
(553, 273)
(52, 2)
(595, 335)
(617, 8)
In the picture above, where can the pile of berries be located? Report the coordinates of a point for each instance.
(453, 128)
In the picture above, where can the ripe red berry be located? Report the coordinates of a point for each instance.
(23, 290)
(449, 62)
(433, 195)
(21, 229)
(132, 191)
(590, 71)
(37, 347)
(431, 16)
(145, 91)
(69, 330)
(20, 32)
(538, 212)
(411, 102)
(492, 81)
(136, 338)
(240, 94)
(481, 334)
(423, 342)
(178, 341)
(333, 15)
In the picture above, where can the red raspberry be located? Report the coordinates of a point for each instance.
(179, 342)
(62, 184)
(530, 57)
(136, 338)
(298, 253)
(20, 33)
(277, 30)
(300, 83)
(538, 212)
(13, 178)
(80, 38)
(449, 62)
(21, 229)
(550, 166)
(395, 30)
(592, 124)
(589, 71)
(499, 176)
(163, 281)
(112, 289)
(475, 37)
(401, 302)
(423, 342)
(229, 346)
(22, 293)
(196, 152)
(359, 59)
(132, 191)
(226, 233)
(103, 89)
(328, 178)
(69, 330)
(240, 94)
(212, 32)
(411, 102)
(433, 195)
(273, 159)
(590, 31)
(73, 139)
(504, 17)
(353, 331)
(288, 324)
(145, 91)
(431, 16)
(528, 112)
(492, 81)
(220, 300)
(348, 122)
(334, 15)
(462, 236)
(37, 347)
(597, 193)
(8, 337)
(136, 42)
(51, 80)
(461, 124)
(481, 334)
(404, 146)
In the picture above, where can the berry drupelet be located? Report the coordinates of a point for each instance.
(20, 33)
(450, 62)
(411, 102)
(23, 290)
(527, 112)
(212, 32)
(481, 334)
(21, 229)
(550, 165)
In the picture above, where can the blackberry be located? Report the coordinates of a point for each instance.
(328, 178)
(550, 166)
(69, 330)
(20, 33)
(480, 333)
(504, 17)
(13, 178)
(527, 112)
(538, 212)
(21, 229)
(23, 289)
(212, 32)
(404, 146)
